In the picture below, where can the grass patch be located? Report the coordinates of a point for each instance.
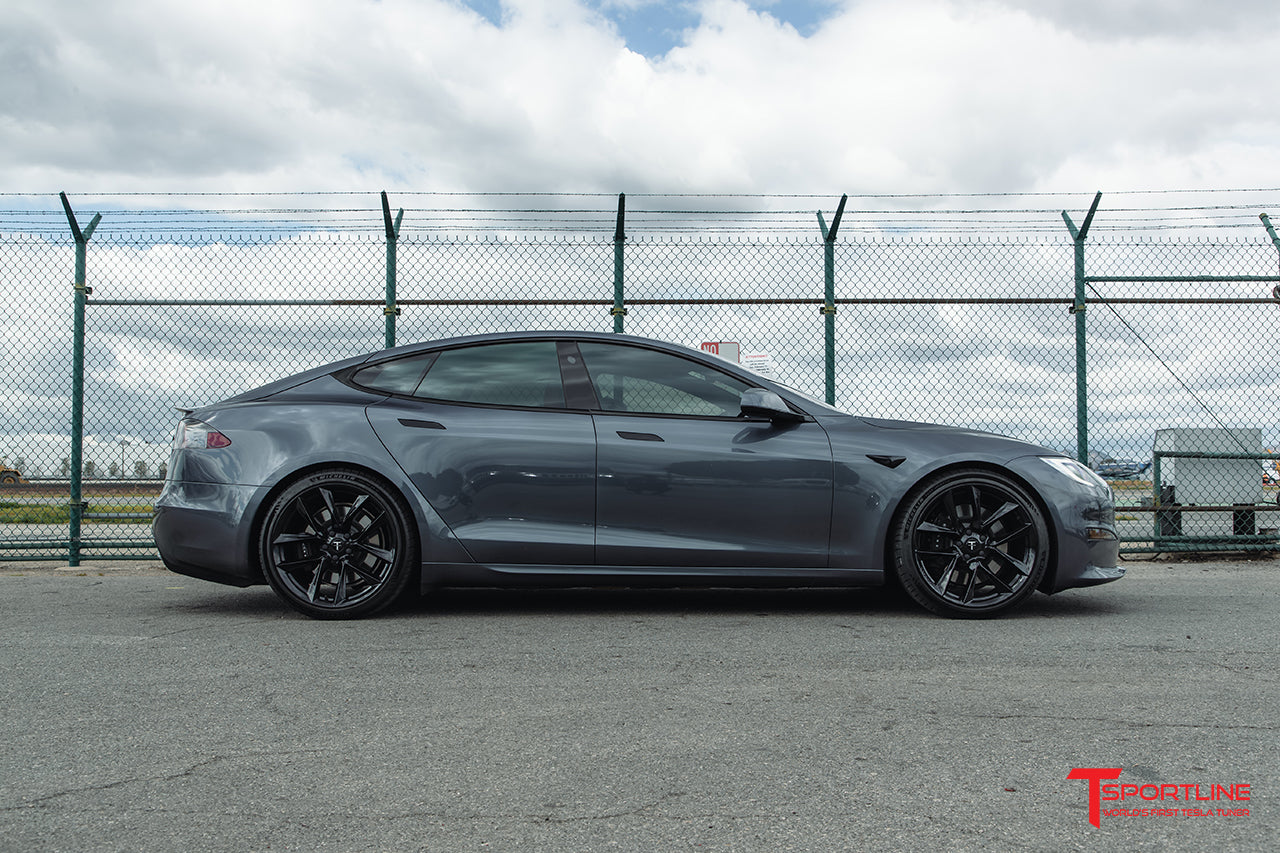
(13, 512)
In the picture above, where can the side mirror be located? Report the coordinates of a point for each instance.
(759, 403)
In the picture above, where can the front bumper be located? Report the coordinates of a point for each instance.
(1083, 519)
(1095, 575)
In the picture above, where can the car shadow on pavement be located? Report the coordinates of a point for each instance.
(868, 602)
(654, 601)
(261, 602)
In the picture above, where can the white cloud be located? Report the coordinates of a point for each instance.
(923, 95)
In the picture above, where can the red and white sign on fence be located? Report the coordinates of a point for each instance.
(728, 350)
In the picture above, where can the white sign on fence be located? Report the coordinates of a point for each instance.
(759, 362)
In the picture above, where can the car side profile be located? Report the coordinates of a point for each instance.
(580, 458)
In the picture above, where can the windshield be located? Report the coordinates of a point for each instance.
(808, 399)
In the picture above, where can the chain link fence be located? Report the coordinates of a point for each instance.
(1178, 353)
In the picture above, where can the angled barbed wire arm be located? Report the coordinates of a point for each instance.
(1275, 241)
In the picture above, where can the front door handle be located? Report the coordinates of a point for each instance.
(417, 424)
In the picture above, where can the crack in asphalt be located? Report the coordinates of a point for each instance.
(163, 777)
(311, 820)
(212, 626)
(1140, 724)
(633, 812)
(646, 809)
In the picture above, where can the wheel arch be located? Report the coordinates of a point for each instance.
(267, 499)
(928, 477)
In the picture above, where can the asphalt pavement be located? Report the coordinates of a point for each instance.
(147, 711)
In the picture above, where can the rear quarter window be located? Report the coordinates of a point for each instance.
(401, 376)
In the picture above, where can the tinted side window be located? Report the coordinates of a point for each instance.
(398, 377)
(516, 374)
(631, 379)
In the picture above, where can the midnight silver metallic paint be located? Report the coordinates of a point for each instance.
(573, 496)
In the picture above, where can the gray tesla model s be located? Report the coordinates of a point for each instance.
(579, 458)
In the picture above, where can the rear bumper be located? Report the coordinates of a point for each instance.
(199, 531)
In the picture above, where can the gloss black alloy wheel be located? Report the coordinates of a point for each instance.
(338, 544)
(971, 544)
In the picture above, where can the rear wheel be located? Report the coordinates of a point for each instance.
(338, 544)
(971, 544)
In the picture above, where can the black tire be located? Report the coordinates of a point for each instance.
(9, 479)
(338, 544)
(971, 544)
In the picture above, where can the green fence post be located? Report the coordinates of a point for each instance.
(1079, 235)
(829, 295)
(390, 310)
(77, 379)
(619, 237)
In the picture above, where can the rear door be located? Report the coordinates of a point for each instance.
(483, 433)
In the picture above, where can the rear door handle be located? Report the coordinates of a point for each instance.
(639, 436)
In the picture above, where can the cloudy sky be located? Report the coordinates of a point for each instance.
(604, 96)
(828, 96)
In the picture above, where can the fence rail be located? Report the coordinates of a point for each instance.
(1083, 343)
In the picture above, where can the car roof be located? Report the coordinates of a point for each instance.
(604, 337)
(493, 337)
(578, 335)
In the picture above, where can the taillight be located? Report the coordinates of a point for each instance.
(194, 435)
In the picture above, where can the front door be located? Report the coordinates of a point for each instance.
(683, 481)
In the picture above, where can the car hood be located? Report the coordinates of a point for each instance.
(941, 439)
(921, 426)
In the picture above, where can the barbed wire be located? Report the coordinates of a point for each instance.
(1201, 211)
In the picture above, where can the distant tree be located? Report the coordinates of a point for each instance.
(20, 463)
(89, 469)
(66, 467)
(140, 470)
(114, 471)
(164, 470)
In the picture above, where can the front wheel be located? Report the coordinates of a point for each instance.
(338, 544)
(971, 544)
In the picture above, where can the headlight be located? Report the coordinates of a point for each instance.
(1082, 474)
